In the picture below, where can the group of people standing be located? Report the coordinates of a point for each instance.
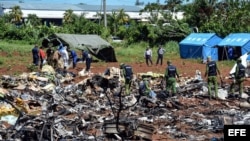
(52, 56)
(148, 54)
(38, 54)
(171, 74)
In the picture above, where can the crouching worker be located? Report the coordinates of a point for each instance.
(145, 90)
(239, 77)
(127, 73)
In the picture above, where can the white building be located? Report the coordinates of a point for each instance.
(55, 12)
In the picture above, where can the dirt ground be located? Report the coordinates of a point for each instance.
(186, 68)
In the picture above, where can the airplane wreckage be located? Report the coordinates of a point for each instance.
(48, 105)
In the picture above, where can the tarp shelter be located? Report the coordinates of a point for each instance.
(239, 41)
(200, 45)
(94, 44)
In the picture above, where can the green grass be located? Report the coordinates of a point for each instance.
(10, 47)
(2, 60)
(15, 51)
(124, 53)
(227, 63)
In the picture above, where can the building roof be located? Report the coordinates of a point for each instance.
(110, 8)
(66, 6)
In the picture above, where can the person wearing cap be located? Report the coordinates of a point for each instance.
(239, 77)
(211, 74)
(170, 75)
(160, 53)
(148, 56)
(127, 73)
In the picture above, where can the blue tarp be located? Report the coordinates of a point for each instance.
(200, 45)
(237, 40)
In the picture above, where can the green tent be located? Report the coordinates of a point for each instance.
(94, 44)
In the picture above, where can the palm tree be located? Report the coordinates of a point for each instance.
(33, 20)
(154, 10)
(69, 17)
(173, 4)
(122, 17)
(112, 22)
(16, 15)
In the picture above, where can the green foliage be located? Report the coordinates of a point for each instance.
(134, 51)
(208, 15)
(221, 17)
(33, 20)
(2, 61)
(15, 46)
(172, 47)
(229, 63)
(32, 67)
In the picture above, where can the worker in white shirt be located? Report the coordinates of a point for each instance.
(148, 56)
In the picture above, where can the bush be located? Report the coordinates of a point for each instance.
(172, 47)
(1, 61)
(32, 67)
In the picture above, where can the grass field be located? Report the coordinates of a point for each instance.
(17, 53)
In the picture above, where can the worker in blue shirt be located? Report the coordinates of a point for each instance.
(74, 57)
(84, 55)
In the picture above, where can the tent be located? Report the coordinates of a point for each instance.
(94, 44)
(200, 45)
(239, 41)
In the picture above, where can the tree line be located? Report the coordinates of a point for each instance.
(208, 16)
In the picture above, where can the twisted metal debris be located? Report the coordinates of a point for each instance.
(50, 106)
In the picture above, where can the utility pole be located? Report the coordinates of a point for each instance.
(105, 14)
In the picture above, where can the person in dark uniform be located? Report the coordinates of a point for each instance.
(35, 55)
(239, 77)
(170, 75)
(211, 74)
(88, 62)
(127, 73)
